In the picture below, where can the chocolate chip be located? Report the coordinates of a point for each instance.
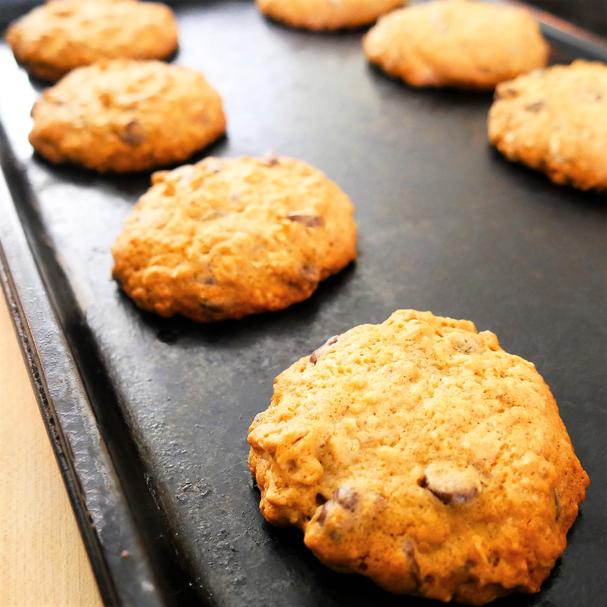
(494, 558)
(309, 273)
(207, 280)
(449, 497)
(314, 356)
(270, 159)
(450, 485)
(133, 133)
(347, 498)
(310, 221)
(506, 92)
(322, 517)
(409, 550)
(557, 505)
(291, 466)
(535, 107)
(320, 499)
(210, 308)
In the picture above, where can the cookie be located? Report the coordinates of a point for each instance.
(321, 15)
(58, 37)
(225, 238)
(126, 115)
(555, 121)
(456, 43)
(420, 454)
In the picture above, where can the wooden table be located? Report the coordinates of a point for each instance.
(42, 557)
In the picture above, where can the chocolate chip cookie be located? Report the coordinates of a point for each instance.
(420, 454)
(58, 37)
(229, 237)
(126, 115)
(326, 14)
(555, 121)
(456, 43)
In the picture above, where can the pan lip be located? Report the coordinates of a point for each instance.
(26, 327)
(105, 517)
(565, 31)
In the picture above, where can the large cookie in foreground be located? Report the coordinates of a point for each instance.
(457, 43)
(420, 454)
(124, 115)
(225, 238)
(555, 121)
(58, 37)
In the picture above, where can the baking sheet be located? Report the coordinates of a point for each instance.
(445, 224)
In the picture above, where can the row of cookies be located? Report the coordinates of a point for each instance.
(117, 107)
(124, 114)
(384, 477)
(551, 119)
(62, 35)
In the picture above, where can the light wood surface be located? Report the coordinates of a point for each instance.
(42, 557)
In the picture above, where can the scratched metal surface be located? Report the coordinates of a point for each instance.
(445, 224)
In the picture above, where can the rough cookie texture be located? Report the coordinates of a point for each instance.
(456, 43)
(229, 237)
(58, 37)
(420, 454)
(326, 14)
(127, 115)
(555, 121)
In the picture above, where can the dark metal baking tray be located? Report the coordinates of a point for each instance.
(149, 416)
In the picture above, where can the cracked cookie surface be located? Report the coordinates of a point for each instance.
(60, 36)
(555, 121)
(326, 14)
(420, 454)
(225, 238)
(457, 43)
(126, 115)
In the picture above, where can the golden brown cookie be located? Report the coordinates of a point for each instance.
(60, 36)
(326, 14)
(420, 454)
(229, 237)
(127, 115)
(456, 43)
(555, 121)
